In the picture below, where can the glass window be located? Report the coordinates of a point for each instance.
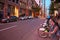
(1, 6)
(13, 10)
(17, 1)
(20, 10)
(30, 12)
(1, 14)
(22, 5)
(9, 0)
(9, 10)
(13, 0)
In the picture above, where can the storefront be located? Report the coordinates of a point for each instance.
(12, 11)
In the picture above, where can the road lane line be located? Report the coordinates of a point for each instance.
(8, 28)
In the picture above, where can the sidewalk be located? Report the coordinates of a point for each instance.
(41, 17)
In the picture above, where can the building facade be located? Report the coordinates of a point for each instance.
(16, 8)
(9, 8)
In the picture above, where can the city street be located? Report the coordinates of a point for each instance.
(21, 30)
(22, 19)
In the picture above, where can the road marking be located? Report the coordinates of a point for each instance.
(8, 28)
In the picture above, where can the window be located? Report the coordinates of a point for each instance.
(9, 0)
(1, 6)
(13, 10)
(9, 10)
(57, 1)
(1, 14)
(30, 12)
(17, 1)
(22, 5)
(13, 0)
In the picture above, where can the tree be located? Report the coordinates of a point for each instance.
(51, 10)
(35, 9)
(57, 1)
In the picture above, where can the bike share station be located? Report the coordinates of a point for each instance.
(43, 29)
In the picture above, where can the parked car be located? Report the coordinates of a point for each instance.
(10, 19)
(30, 17)
(23, 18)
(5, 20)
(13, 18)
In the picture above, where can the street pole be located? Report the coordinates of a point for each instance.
(44, 8)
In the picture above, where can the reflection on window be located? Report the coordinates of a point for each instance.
(9, 0)
(1, 6)
(30, 13)
(13, 0)
(13, 10)
(20, 10)
(9, 10)
(17, 1)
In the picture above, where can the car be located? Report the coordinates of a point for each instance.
(23, 18)
(13, 18)
(5, 20)
(30, 17)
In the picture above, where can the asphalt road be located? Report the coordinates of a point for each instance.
(21, 30)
